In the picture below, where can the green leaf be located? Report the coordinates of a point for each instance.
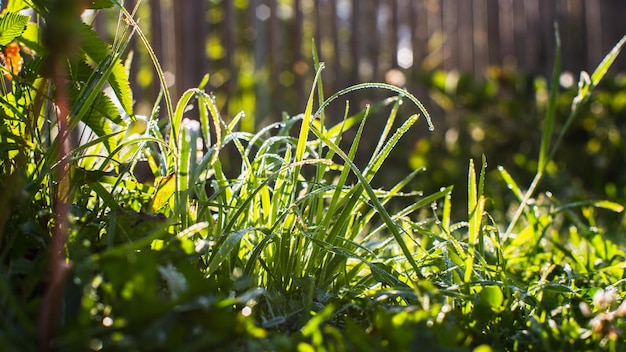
(385, 86)
(306, 121)
(165, 190)
(103, 107)
(98, 4)
(16, 5)
(491, 296)
(603, 204)
(475, 208)
(31, 38)
(99, 51)
(101, 116)
(12, 25)
(510, 183)
(618, 208)
(227, 246)
(603, 67)
(548, 126)
(389, 222)
(385, 274)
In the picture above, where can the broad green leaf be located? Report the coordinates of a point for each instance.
(137, 225)
(12, 25)
(16, 5)
(104, 106)
(165, 190)
(31, 38)
(100, 117)
(491, 296)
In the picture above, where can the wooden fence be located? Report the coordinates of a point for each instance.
(258, 52)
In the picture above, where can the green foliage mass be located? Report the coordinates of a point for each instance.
(177, 234)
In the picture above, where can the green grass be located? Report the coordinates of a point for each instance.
(277, 240)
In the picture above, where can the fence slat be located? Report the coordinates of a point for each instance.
(360, 40)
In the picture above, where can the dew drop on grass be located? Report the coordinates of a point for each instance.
(95, 344)
(246, 311)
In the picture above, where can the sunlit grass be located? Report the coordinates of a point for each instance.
(278, 240)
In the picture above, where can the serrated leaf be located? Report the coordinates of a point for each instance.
(102, 105)
(101, 116)
(99, 51)
(101, 127)
(16, 5)
(31, 36)
(105, 107)
(12, 25)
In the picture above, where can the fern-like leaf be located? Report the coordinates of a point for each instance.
(98, 51)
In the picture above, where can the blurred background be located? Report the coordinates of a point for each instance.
(479, 66)
(258, 52)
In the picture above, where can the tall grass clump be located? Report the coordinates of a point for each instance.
(273, 240)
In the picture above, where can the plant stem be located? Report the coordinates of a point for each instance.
(58, 264)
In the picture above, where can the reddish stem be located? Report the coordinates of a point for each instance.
(58, 265)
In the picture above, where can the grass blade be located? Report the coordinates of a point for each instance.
(475, 208)
(386, 86)
(391, 225)
(306, 122)
(548, 126)
(224, 248)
